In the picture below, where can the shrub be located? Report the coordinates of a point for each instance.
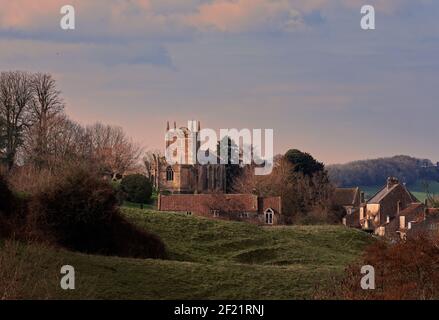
(120, 195)
(406, 270)
(12, 210)
(79, 211)
(75, 203)
(137, 188)
(7, 198)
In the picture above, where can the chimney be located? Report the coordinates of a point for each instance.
(362, 197)
(175, 125)
(391, 181)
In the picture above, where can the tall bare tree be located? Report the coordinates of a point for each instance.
(66, 142)
(149, 161)
(16, 99)
(47, 105)
(112, 150)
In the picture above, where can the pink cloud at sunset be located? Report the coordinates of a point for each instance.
(219, 15)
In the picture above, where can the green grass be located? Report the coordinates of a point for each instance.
(212, 259)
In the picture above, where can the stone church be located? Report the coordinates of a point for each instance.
(185, 178)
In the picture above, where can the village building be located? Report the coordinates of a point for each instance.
(385, 206)
(417, 219)
(350, 199)
(393, 212)
(244, 207)
(184, 177)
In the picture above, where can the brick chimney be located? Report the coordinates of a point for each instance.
(362, 197)
(391, 181)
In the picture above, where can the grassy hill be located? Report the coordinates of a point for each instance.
(208, 259)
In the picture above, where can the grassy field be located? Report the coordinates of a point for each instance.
(208, 259)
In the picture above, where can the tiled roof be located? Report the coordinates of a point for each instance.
(385, 191)
(204, 203)
(345, 196)
(380, 195)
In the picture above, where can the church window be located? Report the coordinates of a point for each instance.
(169, 174)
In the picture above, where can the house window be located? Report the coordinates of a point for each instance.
(215, 213)
(402, 222)
(269, 213)
(169, 174)
(243, 215)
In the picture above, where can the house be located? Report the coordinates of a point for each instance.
(416, 219)
(350, 199)
(398, 227)
(385, 206)
(427, 226)
(245, 207)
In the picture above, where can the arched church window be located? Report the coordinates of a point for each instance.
(169, 174)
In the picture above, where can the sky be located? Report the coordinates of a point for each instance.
(303, 68)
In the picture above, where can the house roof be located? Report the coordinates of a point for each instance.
(345, 196)
(203, 203)
(385, 191)
(431, 223)
(413, 211)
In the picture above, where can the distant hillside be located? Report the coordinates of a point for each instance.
(374, 172)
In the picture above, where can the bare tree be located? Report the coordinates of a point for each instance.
(15, 101)
(112, 150)
(149, 161)
(46, 106)
(300, 194)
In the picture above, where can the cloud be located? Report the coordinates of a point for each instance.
(152, 17)
(279, 15)
(23, 13)
(245, 15)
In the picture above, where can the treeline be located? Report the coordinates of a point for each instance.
(374, 172)
(303, 185)
(35, 130)
(52, 175)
